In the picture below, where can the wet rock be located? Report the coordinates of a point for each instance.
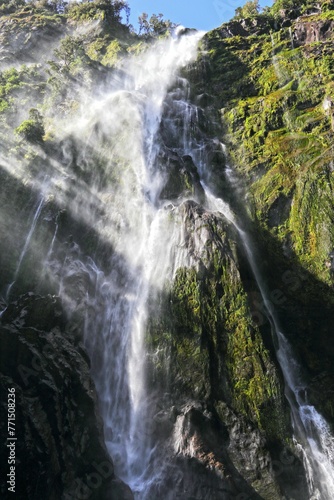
(60, 451)
(272, 472)
(204, 100)
(31, 311)
(182, 177)
(199, 458)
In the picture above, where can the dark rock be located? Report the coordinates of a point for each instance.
(31, 311)
(279, 211)
(186, 31)
(246, 27)
(60, 451)
(182, 177)
(305, 32)
(200, 458)
(287, 16)
(204, 100)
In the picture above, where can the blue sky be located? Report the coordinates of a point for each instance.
(200, 14)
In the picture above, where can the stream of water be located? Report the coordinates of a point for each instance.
(148, 248)
(149, 99)
(25, 247)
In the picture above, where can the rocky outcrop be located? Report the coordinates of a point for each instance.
(246, 27)
(212, 452)
(28, 37)
(217, 393)
(60, 452)
(306, 32)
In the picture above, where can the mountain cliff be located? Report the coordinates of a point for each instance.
(167, 253)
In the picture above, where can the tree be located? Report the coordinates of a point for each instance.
(154, 26)
(250, 9)
(70, 54)
(108, 10)
(33, 129)
(10, 6)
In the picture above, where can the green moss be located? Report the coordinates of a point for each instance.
(112, 53)
(278, 132)
(216, 351)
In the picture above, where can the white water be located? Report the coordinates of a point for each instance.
(311, 429)
(147, 246)
(25, 247)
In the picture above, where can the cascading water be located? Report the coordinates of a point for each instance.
(147, 249)
(26, 246)
(124, 132)
(311, 429)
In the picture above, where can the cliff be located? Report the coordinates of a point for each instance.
(252, 118)
(274, 89)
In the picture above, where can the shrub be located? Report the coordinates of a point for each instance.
(250, 9)
(32, 129)
(109, 10)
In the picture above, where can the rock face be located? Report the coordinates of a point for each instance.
(219, 419)
(280, 136)
(60, 452)
(246, 27)
(210, 359)
(22, 36)
(305, 32)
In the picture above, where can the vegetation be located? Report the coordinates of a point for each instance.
(277, 98)
(32, 129)
(105, 10)
(251, 8)
(155, 25)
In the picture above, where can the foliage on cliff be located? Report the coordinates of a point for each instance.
(274, 82)
(208, 344)
(271, 77)
(279, 129)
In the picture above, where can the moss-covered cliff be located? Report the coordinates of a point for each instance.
(271, 77)
(264, 87)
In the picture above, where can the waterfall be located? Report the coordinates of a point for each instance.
(311, 429)
(147, 247)
(155, 253)
(291, 38)
(118, 140)
(26, 246)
